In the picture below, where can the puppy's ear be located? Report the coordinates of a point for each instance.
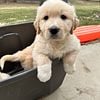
(36, 26)
(75, 24)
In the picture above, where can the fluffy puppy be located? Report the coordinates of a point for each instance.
(54, 25)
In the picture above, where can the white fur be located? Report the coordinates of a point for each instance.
(44, 72)
(3, 76)
(55, 49)
(69, 68)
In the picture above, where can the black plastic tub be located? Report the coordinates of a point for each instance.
(24, 85)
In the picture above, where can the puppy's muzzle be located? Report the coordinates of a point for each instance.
(54, 30)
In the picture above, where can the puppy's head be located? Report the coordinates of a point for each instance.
(55, 19)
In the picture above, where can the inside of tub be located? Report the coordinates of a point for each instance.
(9, 44)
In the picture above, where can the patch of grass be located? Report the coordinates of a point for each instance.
(88, 12)
(8, 16)
(17, 13)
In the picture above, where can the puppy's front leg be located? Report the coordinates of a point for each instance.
(44, 65)
(69, 62)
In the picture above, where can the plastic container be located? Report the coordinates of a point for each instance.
(24, 85)
(88, 33)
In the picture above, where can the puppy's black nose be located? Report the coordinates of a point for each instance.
(54, 30)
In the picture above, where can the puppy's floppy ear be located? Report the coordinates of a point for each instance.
(75, 24)
(36, 26)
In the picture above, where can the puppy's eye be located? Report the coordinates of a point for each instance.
(45, 17)
(63, 17)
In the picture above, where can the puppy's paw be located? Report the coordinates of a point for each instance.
(43, 77)
(44, 72)
(70, 69)
(4, 76)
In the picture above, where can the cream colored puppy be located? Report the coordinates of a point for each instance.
(54, 25)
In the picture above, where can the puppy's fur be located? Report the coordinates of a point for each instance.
(24, 56)
(54, 25)
(3, 76)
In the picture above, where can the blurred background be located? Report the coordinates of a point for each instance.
(19, 11)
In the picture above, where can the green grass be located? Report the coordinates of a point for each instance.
(7, 16)
(88, 12)
(17, 13)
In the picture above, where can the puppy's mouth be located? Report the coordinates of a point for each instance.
(56, 36)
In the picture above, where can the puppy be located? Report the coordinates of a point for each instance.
(54, 25)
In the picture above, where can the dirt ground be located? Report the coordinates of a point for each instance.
(84, 84)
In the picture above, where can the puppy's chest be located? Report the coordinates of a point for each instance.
(57, 52)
